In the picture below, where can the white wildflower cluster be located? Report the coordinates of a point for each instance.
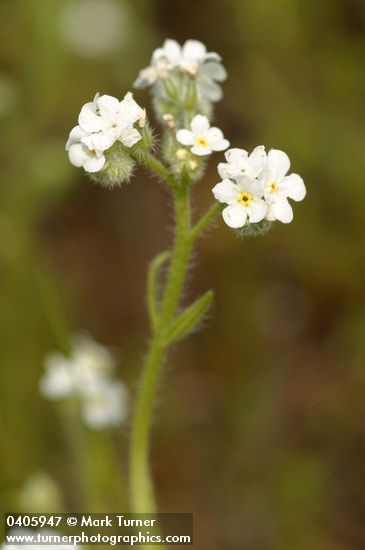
(256, 187)
(87, 375)
(191, 59)
(102, 123)
(184, 81)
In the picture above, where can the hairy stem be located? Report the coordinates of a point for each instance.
(141, 487)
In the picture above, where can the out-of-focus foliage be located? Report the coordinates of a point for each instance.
(261, 428)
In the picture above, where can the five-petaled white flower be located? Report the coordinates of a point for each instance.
(191, 58)
(202, 138)
(101, 123)
(255, 186)
(244, 199)
(279, 187)
(86, 375)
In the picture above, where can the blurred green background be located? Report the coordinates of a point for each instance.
(260, 425)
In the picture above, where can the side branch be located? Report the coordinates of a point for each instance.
(152, 287)
(205, 221)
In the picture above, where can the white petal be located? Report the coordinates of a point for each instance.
(100, 141)
(194, 49)
(130, 136)
(201, 151)
(278, 164)
(214, 71)
(236, 156)
(89, 120)
(210, 89)
(172, 50)
(77, 154)
(216, 139)
(257, 162)
(235, 215)
(107, 102)
(225, 191)
(225, 170)
(221, 145)
(294, 187)
(282, 211)
(200, 124)
(129, 110)
(145, 78)
(75, 135)
(250, 185)
(185, 137)
(94, 164)
(257, 210)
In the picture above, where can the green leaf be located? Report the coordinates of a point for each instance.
(189, 319)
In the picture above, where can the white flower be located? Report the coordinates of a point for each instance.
(81, 155)
(58, 380)
(163, 60)
(244, 200)
(240, 162)
(39, 492)
(86, 375)
(104, 404)
(202, 138)
(279, 187)
(191, 58)
(67, 376)
(102, 122)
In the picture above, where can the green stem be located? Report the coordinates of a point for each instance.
(162, 316)
(142, 495)
(158, 168)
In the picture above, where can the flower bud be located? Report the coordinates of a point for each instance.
(254, 229)
(118, 168)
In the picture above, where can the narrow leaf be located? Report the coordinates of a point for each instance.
(152, 286)
(189, 319)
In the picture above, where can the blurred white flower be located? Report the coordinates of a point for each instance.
(193, 59)
(279, 187)
(104, 404)
(46, 540)
(102, 122)
(202, 138)
(244, 199)
(58, 380)
(86, 375)
(92, 28)
(39, 493)
(240, 162)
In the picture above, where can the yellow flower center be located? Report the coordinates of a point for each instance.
(245, 198)
(201, 142)
(273, 186)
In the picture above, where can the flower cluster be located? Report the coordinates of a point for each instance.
(86, 375)
(184, 82)
(191, 59)
(101, 124)
(255, 187)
